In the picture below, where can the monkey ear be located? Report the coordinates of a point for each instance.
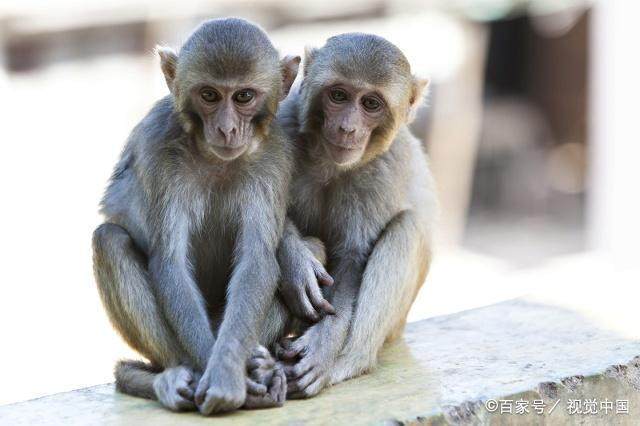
(289, 65)
(309, 57)
(168, 63)
(418, 92)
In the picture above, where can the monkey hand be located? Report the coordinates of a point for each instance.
(302, 274)
(266, 382)
(222, 386)
(307, 362)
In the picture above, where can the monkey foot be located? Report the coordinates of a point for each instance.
(222, 387)
(266, 382)
(175, 387)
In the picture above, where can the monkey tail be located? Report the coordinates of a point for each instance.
(136, 378)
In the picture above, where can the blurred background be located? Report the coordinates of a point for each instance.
(530, 125)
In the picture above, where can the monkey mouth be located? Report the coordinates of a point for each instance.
(228, 153)
(343, 147)
(341, 154)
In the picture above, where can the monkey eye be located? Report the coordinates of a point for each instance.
(209, 95)
(338, 95)
(371, 104)
(244, 96)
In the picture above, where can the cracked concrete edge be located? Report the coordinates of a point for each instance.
(617, 382)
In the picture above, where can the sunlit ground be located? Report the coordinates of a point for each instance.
(62, 132)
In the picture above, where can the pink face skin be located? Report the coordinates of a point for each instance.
(226, 114)
(350, 115)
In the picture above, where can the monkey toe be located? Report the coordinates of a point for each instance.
(218, 402)
(260, 363)
(258, 396)
(174, 401)
(256, 388)
(174, 390)
(266, 401)
(186, 392)
(260, 352)
(278, 389)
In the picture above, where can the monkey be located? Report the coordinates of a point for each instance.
(186, 263)
(361, 185)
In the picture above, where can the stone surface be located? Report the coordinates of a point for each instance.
(442, 372)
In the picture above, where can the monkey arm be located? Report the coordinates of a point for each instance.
(250, 293)
(178, 295)
(254, 280)
(395, 271)
(371, 304)
(301, 273)
(319, 346)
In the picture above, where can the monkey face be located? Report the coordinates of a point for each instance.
(350, 114)
(227, 113)
(226, 83)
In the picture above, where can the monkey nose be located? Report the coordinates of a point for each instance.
(347, 130)
(227, 132)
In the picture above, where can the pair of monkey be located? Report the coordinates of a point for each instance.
(225, 215)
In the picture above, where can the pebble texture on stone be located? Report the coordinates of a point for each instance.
(442, 372)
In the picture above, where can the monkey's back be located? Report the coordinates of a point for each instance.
(126, 200)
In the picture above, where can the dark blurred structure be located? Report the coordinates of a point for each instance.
(529, 179)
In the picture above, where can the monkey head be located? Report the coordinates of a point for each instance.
(227, 81)
(356, 93)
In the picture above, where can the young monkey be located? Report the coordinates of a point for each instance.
(186, 260)
(363, 186)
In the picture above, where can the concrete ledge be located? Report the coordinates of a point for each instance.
(444, 371)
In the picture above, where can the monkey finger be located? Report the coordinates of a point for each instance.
(301, 382)
(283, 345)
(255, 388)
(278, 351)
(313, 389)
(291, 354)
(297, 370)
(284, 361)
(322, 275)
(318, 301)
(288, 350)
(306, 311)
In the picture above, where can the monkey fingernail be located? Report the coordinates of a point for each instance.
(328, 281)
(329, 309)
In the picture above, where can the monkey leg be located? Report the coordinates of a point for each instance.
(395, 270)
(125, 290)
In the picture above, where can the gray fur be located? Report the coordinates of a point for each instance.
(186, 261)
(376, 217)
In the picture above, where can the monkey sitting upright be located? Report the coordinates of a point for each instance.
(186, 260)
(363, 187)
